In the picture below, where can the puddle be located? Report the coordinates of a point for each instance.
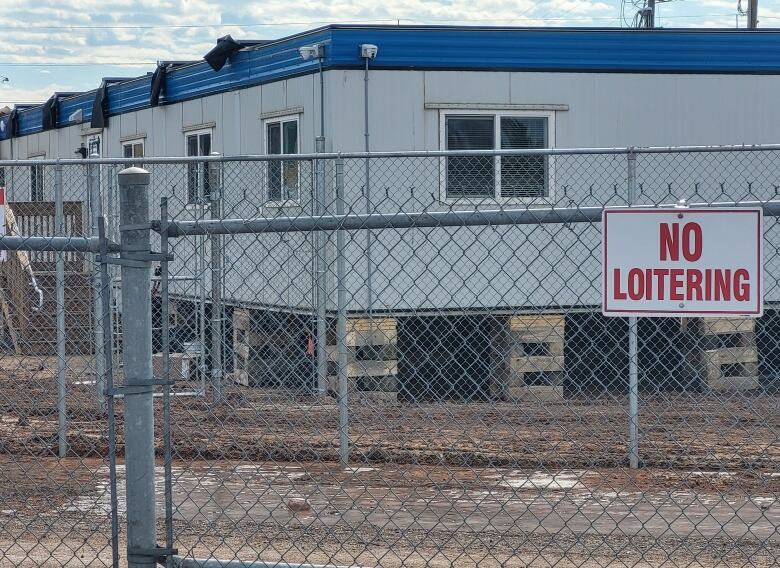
(764, 501)
(559, 481)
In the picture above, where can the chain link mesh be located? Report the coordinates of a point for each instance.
(424, 396)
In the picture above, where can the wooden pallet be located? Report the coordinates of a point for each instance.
(35, 332)
(534, 356)
(728, 353)
(372, 363)
(270, 350)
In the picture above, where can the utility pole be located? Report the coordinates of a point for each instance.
(645, 18)
(752, 14)
(650, 14)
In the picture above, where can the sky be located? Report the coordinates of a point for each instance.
(46, 46)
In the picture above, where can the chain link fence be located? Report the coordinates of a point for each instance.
(381, 360)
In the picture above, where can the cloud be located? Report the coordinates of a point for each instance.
(11, 95)
(105, 32)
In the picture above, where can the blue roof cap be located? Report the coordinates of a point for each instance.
(610, 50)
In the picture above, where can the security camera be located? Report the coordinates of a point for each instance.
(310, 51)
(368, 51)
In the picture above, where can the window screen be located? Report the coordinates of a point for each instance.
(290, 168)
(198, 179)
(274, 144)
(283, 180)
(94, 146)
(523, 176)
(133, 150)
(472, 176)
(36, 183)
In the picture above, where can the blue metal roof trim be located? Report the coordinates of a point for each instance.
(70, 105)
(244, 69)
(695, 51)
(30, 121)
(441, 47)
(130, 95)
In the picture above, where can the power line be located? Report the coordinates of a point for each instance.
(93, 64)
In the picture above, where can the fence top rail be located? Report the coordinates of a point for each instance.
(529, 216)
(630, 151)
(56, 244)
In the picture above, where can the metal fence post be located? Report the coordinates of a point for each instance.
(59, 222)
(633, 335)
(341, 321)
(321, 296)
(166, 361)
(137, 357)
(108, 353)
(215, 197)
(96, 211)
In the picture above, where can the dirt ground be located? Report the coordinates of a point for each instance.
(491, 484)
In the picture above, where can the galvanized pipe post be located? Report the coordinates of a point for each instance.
(96, 211)
(633, 340)
(59, 284)
(321, 296)
(369, 205)
(137, 356)
(341, 321)
(215, 188)
(166, 363)
(108, 352)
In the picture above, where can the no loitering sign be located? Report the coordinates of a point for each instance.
(682, 262)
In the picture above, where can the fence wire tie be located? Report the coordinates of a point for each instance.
(160, 554)
(140, 387)
(136, 227)
(136, 260)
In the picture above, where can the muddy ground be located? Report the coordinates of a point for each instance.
(536, 483)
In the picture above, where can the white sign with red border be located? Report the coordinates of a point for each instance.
(682, 262)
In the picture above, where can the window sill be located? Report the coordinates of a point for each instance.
(282, 204)
(497, 202)
(196, 206)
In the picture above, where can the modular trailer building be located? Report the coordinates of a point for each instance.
(430, 88)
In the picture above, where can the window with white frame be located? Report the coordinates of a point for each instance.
(36, 183)
(94, 145)
(282, 137)
(133, 149)
(497, 177)
(198, 174)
